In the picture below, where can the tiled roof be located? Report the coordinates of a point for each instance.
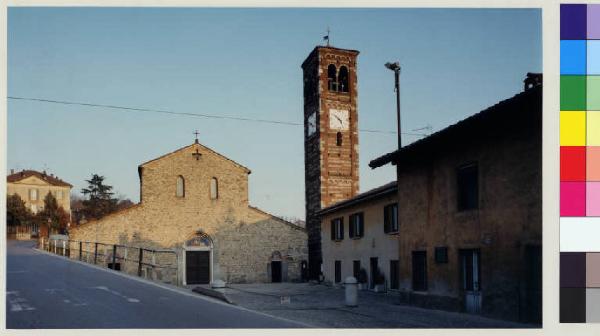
(510, 113)
(53, 180)
(384, 190)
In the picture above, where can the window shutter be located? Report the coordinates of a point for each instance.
(386, 219)
(341, 228)
(351, 232)
(333, 229)
(361, 226)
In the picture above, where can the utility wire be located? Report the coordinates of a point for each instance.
(189, 114)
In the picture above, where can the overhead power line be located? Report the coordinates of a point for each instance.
(188, 114)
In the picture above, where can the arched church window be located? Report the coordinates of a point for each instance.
(332, 78)
(214, 188)
(339, 139)
(180, 186)
(343, 79)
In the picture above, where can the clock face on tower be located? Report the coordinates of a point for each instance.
(312, 124)
(338, 120)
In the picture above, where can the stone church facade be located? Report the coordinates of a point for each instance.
(194, 201)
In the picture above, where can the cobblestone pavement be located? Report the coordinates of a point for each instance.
(323, 306)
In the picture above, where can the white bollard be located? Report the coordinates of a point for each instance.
(351, 291)
(64, 248)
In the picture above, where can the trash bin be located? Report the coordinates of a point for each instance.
(351, 291)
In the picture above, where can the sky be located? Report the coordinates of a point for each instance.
(244, 63)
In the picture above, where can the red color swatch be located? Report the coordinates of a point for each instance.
(572, 163)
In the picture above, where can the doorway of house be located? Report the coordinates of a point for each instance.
(373, 263)
(531, 310)
(276, 271)
(470, 262)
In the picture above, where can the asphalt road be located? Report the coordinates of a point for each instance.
(45, 291)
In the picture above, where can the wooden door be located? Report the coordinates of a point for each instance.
(197, 267)
(275, 271)
(471, 276)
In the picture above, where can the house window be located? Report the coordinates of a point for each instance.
(339, 139)
(343, 79)
(338, 271)
(467, 188)
(419, 270)
(357, 226)
(180, 186)
(33, 194)
(337, 229)
(214, 188)
(356, 269)
(441, 255)
(390, 218)
(332, 78)
(394, 274)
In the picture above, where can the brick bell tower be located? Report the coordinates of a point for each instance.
(330, 137)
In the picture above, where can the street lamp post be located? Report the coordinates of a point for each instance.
(395, 67)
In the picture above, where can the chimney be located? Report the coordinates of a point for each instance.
(12, 171)
(532, 80)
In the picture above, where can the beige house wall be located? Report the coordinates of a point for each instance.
(23, 187)
(244, 238)
(374, 243)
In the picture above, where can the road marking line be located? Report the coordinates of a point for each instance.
(18, 303)
(104, 288)
(171, 288)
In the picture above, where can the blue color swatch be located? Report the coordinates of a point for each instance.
(572, 57)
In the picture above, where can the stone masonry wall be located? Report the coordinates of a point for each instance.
(244, 237)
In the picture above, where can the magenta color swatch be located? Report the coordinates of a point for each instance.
(593, 198)
(572, 199)
(593, 21)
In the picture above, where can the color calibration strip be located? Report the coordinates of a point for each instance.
(579, 163)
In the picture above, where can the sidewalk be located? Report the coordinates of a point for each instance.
(323, 306)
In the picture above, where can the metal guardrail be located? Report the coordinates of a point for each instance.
(144, 260)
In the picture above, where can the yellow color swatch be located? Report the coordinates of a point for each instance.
(572, 128)
(593, 128)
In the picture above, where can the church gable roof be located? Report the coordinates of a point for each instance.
(198, 145)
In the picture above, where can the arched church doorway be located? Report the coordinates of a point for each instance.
(198, 260)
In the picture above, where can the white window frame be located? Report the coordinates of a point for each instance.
(33, 194)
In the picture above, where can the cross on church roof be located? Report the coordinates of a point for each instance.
(197, 155)
(196, 133)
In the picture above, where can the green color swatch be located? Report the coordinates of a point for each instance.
(572, 93)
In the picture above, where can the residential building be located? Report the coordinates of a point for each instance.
(470, 212)
(361, 234)
(33, 186)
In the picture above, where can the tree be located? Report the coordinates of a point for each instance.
(100, 201)
(53, 214)
(17, 212)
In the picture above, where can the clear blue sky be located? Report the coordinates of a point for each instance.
(244, 62)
